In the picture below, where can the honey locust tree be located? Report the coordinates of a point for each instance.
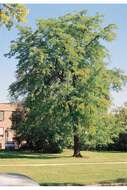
(9, 13)
(62, 76)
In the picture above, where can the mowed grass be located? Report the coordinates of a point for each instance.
(100, 173)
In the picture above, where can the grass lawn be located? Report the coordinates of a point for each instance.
(94, 170)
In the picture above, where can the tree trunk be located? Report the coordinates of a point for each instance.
(76, 136)
(76, 147)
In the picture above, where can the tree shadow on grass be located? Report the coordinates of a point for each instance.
(28, 155)
(61, 184)
(115, 182)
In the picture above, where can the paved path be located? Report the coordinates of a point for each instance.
(62, 164)
(15, 179)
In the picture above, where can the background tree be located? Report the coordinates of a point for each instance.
(63, 76)
(106, 130)
(9, 13)
(120, 142)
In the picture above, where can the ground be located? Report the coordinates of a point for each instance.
(102, 168)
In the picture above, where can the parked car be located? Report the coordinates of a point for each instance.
(11, 145)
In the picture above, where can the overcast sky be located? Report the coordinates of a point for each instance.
(116, 14)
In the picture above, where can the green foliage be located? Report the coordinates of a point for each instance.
(103, 133)
(120, 143)
(121, 116)
(62, 75)
(9, 13)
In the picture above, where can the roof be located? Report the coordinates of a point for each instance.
(8, 106)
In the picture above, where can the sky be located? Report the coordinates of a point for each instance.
(113, 13)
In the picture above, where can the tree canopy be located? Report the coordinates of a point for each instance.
(9, 13)
(63, 77)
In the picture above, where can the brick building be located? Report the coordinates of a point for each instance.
(6, 132)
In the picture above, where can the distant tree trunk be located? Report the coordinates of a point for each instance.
(77, 146)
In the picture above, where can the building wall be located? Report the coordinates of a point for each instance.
(6, 133)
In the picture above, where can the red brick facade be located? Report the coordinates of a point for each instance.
(6, 133)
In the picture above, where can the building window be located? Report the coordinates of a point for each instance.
(1, 115)
(1, 131)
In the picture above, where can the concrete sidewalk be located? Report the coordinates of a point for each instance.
(15, 179)
(62, 164)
